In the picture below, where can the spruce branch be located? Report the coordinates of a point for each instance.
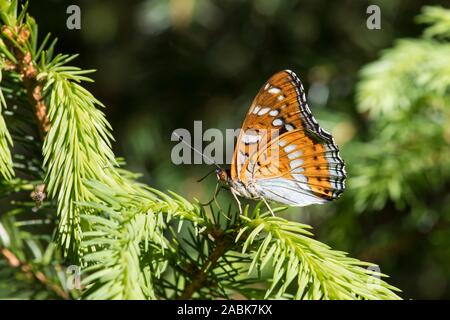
(123, 232)
(392, 86)
(320, 272)
(438, 20)
(29, 272)
(244, 245)
(28, 261)
(63, 108)
(6, 164)
(84, 152)
(16, 40)
(200, 276)
(117, 267)
(408, 106)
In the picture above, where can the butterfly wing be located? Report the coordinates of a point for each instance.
(277, 96)
(283, 150)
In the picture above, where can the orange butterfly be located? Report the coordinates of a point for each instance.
(282, 154)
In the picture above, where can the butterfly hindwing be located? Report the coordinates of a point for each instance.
(311, 166)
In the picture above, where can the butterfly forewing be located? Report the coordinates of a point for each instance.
(275, 101)
(283, 150)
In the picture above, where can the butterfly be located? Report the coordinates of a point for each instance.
(282, 154)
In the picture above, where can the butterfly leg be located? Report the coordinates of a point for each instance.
(267, 204)
(218, 188)
(237, 199)
(214, 198)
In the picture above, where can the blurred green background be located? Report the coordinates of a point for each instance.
(164, 63)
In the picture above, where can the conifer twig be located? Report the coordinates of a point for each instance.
(14, 261)
(200, 277)
(28, 73)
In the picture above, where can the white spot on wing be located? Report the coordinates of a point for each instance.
(294, 155)
(241, 157)
(274, 113)
(296, 163)
(289, 127)
(277, 122)
(282, 143)
(280, 97)
(297, 170)
(263, 111)
(274, 90)
(289, 148)
(256, 109)
(249, 138)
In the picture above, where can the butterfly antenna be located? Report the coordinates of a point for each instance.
(195, 150)
(205, 176)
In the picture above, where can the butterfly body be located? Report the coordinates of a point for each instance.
(246, 190)
(282, 154)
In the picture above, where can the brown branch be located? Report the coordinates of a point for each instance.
(27, 269)
(200, 277)
(16, 37)
(28, 73)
